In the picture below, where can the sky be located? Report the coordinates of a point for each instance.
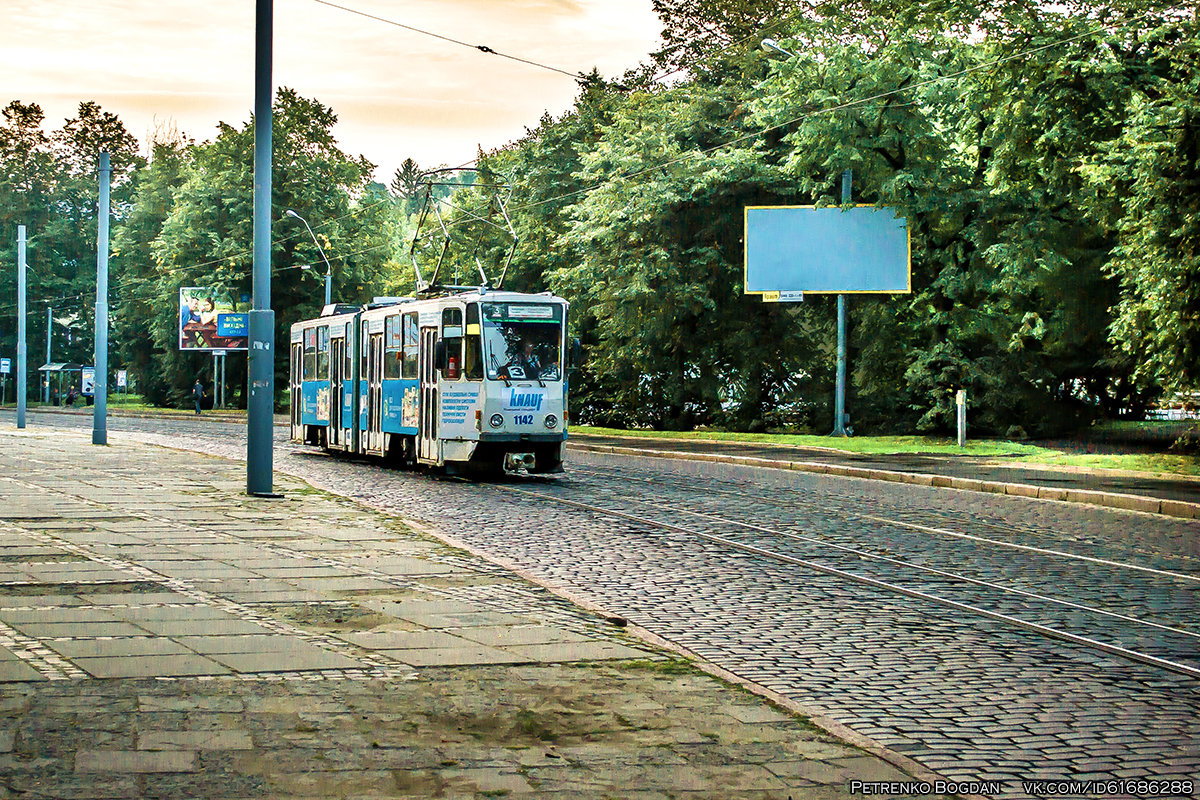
(397, 94)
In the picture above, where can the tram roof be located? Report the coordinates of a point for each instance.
(383, 310)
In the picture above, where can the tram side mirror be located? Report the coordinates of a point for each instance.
(439, 355)
(576, 357)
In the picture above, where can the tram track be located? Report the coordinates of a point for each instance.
(847, 513)
(1186, 641)
(1133, 589)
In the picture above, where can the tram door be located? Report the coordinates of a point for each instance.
(294, 380)
(427, 439)
(375, 394)
(336, 363)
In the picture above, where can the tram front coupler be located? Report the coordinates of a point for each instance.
(519, 461)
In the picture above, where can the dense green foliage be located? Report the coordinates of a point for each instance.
(1047, 159)
(184, 219)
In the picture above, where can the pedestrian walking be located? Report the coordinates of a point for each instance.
(198, 394)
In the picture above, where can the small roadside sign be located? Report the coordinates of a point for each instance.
(122, 379)
(88, 381)
(783, 297)
(5, 366)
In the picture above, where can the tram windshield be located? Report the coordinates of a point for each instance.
(523, 341)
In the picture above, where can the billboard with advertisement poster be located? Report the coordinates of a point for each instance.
(211, 319)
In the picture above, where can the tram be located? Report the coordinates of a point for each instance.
(472, 382)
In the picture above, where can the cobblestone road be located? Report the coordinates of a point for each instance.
(968, 697)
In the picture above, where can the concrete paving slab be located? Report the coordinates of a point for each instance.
(336, 585)
(118, 647)
(165, 666)
(288, 661)
(575, 651)
(202, 627)
(466, 619)
(503, 635)
(14, 601)
(163, 613)
(455, 656)
(12, 669)
(76, 630)
(132, 598)
(405, 640)
(52, 615)
(260, 643)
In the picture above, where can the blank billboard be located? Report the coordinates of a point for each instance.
(826, 250)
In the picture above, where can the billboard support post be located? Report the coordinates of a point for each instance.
(839, 397)
(100, 396)
(21, 366)
(260, 403)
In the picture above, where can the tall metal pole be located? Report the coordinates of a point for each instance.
(261, 367)
(328, 288)
(49, 333)
(100, 388)
(839, 398)
(21, 366)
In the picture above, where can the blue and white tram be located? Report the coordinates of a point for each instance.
(470, 382)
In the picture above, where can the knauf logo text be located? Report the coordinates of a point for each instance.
(526, 400)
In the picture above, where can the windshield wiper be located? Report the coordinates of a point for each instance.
(495, 366)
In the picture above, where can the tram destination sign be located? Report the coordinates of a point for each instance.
(796, 250)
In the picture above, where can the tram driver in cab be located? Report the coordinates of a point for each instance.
(524, 364)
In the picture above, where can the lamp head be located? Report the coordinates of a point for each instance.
(292, 213)
(771, 44)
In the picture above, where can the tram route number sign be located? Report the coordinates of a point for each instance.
(5, 366)
(122, 379)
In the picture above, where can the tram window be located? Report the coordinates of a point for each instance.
(392, 350)
(365, 351)
(412, 340)
(452, 330)
(310, 354)
(349, 351)
(472, 350)
(323, 353)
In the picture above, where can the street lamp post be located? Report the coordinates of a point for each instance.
(328, 268)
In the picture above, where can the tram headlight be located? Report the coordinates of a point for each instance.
(496, 420)
(551, 421)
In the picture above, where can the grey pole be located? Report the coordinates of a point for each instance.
(261, 363)
(839, 401)
(21, 326)
(49, 333)
(100, 398)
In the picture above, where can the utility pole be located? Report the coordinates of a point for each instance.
(839, 397)
(21, 366)
(49, 331)
(100, 401)
(260, 419)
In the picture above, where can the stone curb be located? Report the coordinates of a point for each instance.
(1126, 502)
(208, 416)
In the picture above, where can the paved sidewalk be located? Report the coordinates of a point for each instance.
(1173, 496)
(163, 635)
